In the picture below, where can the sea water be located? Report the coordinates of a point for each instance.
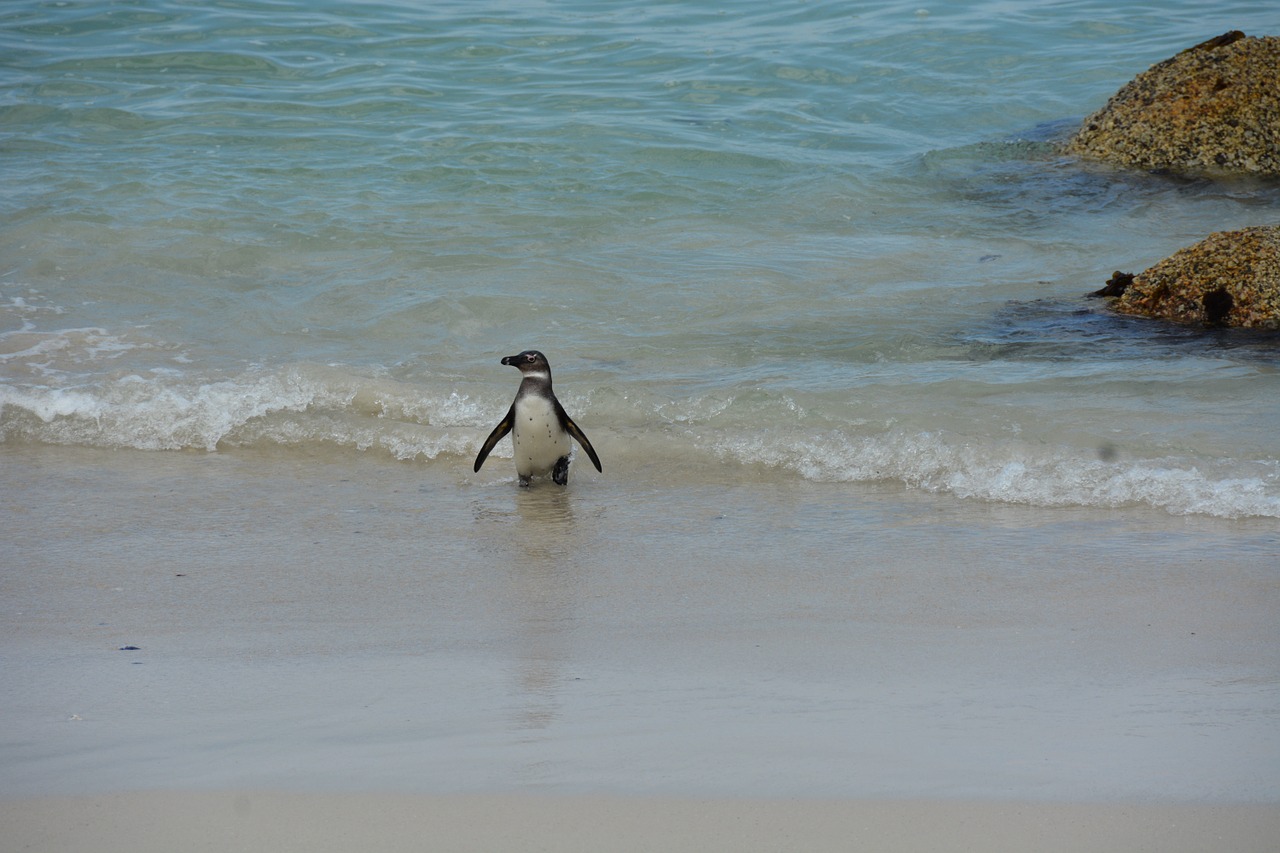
(805, 241)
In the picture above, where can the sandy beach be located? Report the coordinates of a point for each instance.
(216, 651)
(257, 821)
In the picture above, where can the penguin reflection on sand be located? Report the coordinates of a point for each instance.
(540, 429)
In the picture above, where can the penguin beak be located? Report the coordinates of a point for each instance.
(511, 359)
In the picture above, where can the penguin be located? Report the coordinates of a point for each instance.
(540, 429)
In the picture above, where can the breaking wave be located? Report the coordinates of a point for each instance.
(1014, 472)
(304, 407)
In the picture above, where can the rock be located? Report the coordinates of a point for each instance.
(1116, 285)
(1212, 109)
(1230, 278)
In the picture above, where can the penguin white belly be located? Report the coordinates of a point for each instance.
(537, 437)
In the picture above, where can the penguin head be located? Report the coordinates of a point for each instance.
(529, 361)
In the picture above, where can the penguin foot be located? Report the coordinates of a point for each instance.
(524, 482)
(560, 473)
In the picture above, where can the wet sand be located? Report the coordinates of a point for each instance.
(334, 649)
(256, 821)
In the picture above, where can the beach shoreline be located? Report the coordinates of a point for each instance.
(141, 822)
(347, 644)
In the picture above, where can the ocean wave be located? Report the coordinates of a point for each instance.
(1017, 472)
(297, 405)
(305, 406)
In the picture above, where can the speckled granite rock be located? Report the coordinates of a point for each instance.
(1214, 108)
(1231, 278)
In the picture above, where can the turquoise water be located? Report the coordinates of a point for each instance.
(810, 241)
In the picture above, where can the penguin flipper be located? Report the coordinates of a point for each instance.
(499, 433)
(580, 436)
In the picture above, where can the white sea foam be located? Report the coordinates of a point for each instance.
(147, 413)
(64, 355)
(309, 405)
(1015, 472)
(297, 405)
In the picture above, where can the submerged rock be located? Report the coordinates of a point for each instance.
(1230, 278)
(1214, 108)
(1116, 285)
